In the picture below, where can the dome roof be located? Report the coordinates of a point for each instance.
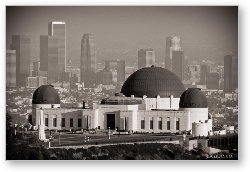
(193, 98)
(46, 94)
(153, 81)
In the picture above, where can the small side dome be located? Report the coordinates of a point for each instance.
(193, 98)
(46, 94)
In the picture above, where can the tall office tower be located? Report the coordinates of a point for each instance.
(230, 73)
(186, 68)
(235, 73)
(172, 44)
(203, 74)
(146, 58)
(11, 68)
(178, 64)
(49, 58)
(121, 71)
(53, 51)
(212, 81)
(57, 29)
(21, 43)
(88, 60)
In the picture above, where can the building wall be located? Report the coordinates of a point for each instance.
(88, 60)
(203, 73)
(53, 57)
(197, 114)
(126, 117)
(178, 64)
(21, 43)
(146, 58)
(121, 71)
(194, 73)
(172, 44)
(11, 68)
(57, 29)
(212, 81)
(103, 110)
(200, 129)
(230, 73)
(164, 116)
(87, 117)
(160, 103)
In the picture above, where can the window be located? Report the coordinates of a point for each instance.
(46, 122)
(143, 124)
(63, 122)
(160, 123)
(71, 122)
(79, 122)
(54, 122)
(151, 124)
(168, 123)
(178, 124)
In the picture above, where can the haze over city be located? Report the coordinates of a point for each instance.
(207, 32)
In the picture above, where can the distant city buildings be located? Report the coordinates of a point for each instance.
(146, 58)
(105, 77)
(194, 73)
(11, 68)
(175, 60)
(178, 63)
(121, 71)
(53, 51)
(21, 43)
(88, 60)
(73, 69)
(172, 44)
(230, 73)
(117, 70)
(57, 29)
(204, 69)
(37, 81)
(36, 68)
(212, 81)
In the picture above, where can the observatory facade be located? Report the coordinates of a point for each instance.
(152, 99)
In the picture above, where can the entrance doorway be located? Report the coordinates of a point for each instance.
(111, 121)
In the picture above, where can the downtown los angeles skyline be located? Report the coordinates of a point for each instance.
(206, 32)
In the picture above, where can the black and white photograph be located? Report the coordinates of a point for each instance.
(122, 82)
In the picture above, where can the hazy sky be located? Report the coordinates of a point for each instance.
(206, 32)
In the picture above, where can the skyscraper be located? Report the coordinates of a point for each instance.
(146, 58)
(21, 43)
(11, 68)
(53, 51)
(88, 60)
(49, 57)
(203, 74)
(230, 73)
(57, 29)
(121, 71)
(178, 64)
(172, 44)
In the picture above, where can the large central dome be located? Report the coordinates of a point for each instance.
(153, 81)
